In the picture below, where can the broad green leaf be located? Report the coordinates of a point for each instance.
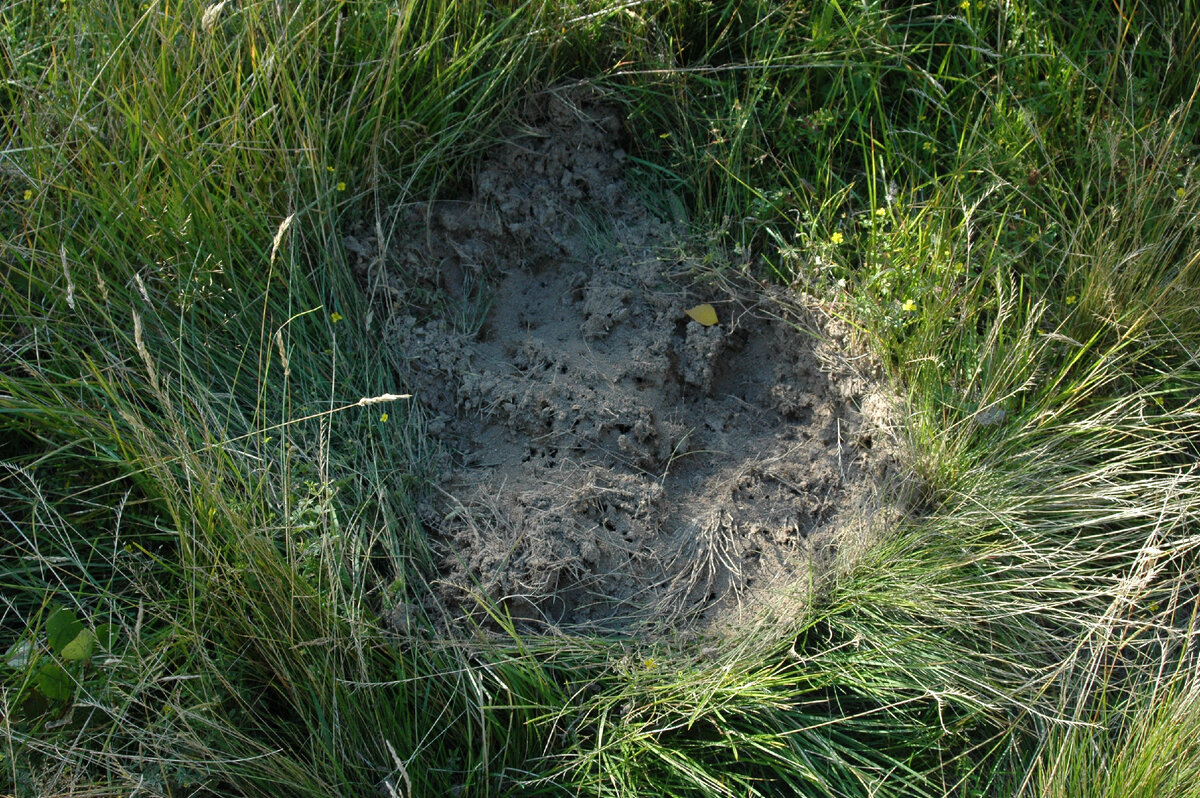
(106, 635)
(705, 314)
(35, 704)
(53, 682)
(80, 648)
(62, 627)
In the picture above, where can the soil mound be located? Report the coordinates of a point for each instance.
(609, 461)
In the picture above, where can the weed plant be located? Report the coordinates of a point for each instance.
(210, 563)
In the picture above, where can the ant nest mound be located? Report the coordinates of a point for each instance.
(607, 461)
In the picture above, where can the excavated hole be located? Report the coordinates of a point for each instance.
(609, 462)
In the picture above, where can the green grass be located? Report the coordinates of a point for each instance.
(210, 562)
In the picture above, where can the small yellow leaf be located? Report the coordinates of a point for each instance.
(80, 648)
(705, 314)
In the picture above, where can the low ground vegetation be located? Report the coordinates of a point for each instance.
(211, 494)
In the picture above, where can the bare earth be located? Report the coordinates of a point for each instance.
(609, 462)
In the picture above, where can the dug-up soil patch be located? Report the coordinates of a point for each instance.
(607, 461)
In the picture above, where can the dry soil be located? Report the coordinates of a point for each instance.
(607, 461)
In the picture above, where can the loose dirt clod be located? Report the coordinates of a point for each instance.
(610, 461)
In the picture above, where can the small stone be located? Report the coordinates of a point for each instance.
(990, 416)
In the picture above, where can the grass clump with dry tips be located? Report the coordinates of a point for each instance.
(208, 507)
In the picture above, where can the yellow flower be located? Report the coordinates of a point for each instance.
(1071, 299)
(965, 5)
(335, 317)
(28, 195)
(383, 418)
(649, 663)
(881, 211)
(341, 186)
(909, 306)
(1179, 192)
(329, 169)
(837, 238)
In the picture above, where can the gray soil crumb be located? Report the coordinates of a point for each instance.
(607, 461)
